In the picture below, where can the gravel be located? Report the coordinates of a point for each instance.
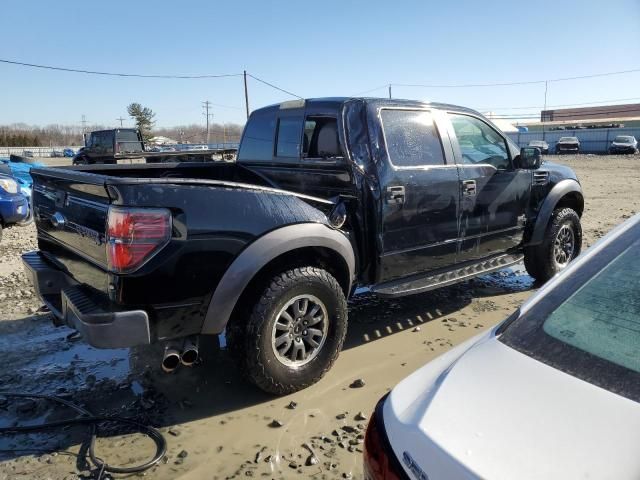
(17, 296)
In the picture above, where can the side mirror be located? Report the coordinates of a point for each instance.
(529, 158)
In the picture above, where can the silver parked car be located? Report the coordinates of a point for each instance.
(541, 144)
(553, 392)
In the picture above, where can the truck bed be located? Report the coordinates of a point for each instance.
(220, 171)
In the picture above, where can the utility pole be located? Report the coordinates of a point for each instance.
(546, 88)
(206, 105)
(84, 125)
(246, 94)
(121, 120)
(389, 91)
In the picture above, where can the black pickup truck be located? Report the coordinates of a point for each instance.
(327, 195)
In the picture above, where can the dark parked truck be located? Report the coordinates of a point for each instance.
(568, 145)
(126, 145)
(327, 195)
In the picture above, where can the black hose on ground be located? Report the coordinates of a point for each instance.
(93, 421)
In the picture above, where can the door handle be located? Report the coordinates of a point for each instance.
(469, 187)
(395, 195)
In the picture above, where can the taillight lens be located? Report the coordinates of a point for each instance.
(135, 235)
(380, 462)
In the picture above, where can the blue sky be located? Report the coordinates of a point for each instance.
(313, 49)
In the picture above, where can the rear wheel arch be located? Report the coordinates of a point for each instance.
(309, 244)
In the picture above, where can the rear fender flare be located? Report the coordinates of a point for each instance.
(262, 251)
(561, 189)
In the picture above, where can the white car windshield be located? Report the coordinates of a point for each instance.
(623, 140)
(589, 325)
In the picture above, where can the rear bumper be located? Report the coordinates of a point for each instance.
(102, 323)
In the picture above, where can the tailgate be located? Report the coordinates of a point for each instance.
(70, 210)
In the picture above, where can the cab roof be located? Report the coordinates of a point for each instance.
(337, 102)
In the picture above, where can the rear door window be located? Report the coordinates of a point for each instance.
(412, 138)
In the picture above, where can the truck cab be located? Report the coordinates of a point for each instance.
(431, 186)
(104, 146)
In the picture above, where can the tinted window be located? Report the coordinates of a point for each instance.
(479, 143)
(623, 140)
(411, 137)
(128, 141)
(257, 140)
(289, 135)
(102, 142)
(589, 326)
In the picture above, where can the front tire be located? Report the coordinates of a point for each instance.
(295, 331)
(562, 243)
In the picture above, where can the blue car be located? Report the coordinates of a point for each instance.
(14, 205)
(68, 152)
(20, 170)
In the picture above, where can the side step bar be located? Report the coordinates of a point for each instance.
(414, 285)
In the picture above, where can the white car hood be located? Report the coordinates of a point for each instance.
(499, 414)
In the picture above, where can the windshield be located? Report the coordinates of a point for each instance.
(568, 139)
(589, 326)
(623, 140)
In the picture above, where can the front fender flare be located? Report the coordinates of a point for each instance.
(260, 253)
(561, 189)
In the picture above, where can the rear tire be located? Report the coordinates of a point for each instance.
(562, 243)
(295, 331)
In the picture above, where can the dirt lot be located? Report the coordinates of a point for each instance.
(218, 426)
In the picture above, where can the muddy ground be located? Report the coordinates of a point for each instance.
(218, 426)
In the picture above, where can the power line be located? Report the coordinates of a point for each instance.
(273, 86)
(117, 74)
(562, 105)
(562, 115)
(504, 84)
(226, 106)
(370, 90)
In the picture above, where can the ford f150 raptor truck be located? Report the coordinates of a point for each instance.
(327, 195)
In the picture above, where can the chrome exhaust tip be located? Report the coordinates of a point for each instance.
(190, 352)
(170, 359)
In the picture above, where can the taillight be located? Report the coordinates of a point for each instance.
(135, 235)
(380, 463)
